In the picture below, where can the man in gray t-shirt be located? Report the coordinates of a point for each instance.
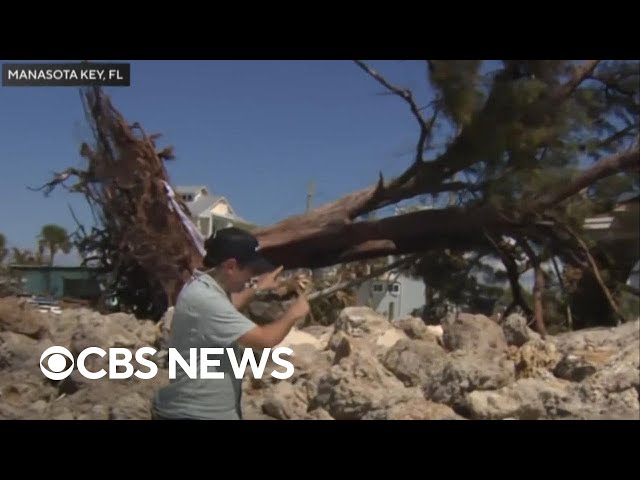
(207, 315)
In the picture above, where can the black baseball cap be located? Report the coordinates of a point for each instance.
(233, 242)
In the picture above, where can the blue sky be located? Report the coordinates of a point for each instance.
(254, 131)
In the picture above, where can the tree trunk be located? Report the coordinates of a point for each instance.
(318, 244)
(564, 292)
(328, 235)
(512, 272)
(538, 288)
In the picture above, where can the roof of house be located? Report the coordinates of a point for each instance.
(203, 203)
(192, 189)
(619, 225)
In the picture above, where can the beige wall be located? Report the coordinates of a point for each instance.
(221, 208)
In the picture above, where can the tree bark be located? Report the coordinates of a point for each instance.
(318, 245)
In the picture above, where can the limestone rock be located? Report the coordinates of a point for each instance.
(18, 316)
(472, 333)
(415, 409)
(516, 331)
(286, 402)
(131, 407)
(466, 372)
(414, 361)
(355, 386)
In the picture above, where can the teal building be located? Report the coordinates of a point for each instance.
(58, 282)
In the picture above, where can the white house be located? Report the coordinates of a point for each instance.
(209, 212)
(393, 294)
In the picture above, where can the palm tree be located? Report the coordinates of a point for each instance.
(55, 239)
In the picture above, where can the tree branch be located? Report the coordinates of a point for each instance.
(605, 167)
(610, 83)
(425, 127)
(580, 74)
(356, 281)
(596, 272)
(60, 178)
(617, 136)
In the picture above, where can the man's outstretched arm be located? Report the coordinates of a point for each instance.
(270, 335)
(268, 281)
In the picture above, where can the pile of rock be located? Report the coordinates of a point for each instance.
(470, 367)
(25, 393)
(361, 367)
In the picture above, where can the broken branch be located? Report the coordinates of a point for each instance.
(356, 281)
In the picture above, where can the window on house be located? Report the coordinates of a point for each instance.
(377, 287)
(394, 287)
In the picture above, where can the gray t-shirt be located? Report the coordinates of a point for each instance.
(204, 317)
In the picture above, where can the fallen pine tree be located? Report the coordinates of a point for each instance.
(516, 182)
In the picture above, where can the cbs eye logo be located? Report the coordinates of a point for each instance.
(55, 365)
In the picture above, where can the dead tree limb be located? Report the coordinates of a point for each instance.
(348, 284)
(425, 126)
